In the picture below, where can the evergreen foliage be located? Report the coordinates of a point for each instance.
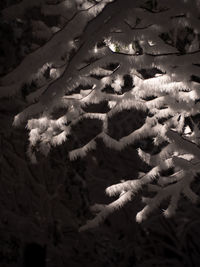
(130, 55)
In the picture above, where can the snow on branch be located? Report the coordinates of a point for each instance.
(130, 56)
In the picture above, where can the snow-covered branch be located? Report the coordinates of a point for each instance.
(130, 55)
